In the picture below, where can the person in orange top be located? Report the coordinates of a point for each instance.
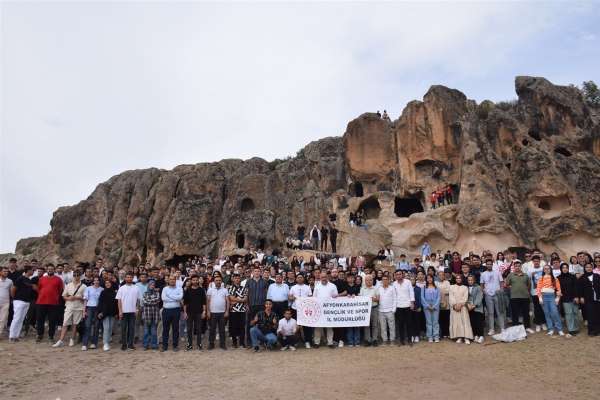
(548, 292)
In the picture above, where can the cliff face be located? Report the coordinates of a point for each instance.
(525, 174)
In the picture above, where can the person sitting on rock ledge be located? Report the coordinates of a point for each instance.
(385, 115)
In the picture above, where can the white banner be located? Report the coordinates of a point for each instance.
(334, 313)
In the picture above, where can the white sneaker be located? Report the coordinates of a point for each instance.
(467, 341)
(430, 340)
(416, 339)
(292, 348)
(561, 333)
(307, 345)
(568, 336)
(71, 342)
(284, 348)
(538, 328)
(550, 333)
(529, 330)
(544, 327)
(481, 340)
(350, 345)
(459, 340)
(106, 347)
(437, 340)
(83, 348)
(60, 343)
(92, 346)
(340, 343)
(491, 332)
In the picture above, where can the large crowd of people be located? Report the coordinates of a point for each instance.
(251, 301)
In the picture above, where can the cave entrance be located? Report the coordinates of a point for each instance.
(356, 189)
(240, 239)
(406, 206)
(370, 208)
(261, 243)
(247, 204)
(519, 251)
(177, 259)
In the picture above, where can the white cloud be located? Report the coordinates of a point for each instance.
(90, 90)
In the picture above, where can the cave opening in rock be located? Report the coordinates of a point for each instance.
(563, 151)
(552, 206)
(406, 206)
(544, 205)
(240, 239)
(370, 208)
(261, 243)
(247, 204)
(519, 251)
(179, 259)
(356, 189)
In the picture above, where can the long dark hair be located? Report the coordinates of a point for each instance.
(551, 274)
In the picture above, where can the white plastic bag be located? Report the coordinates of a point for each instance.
(512, 334)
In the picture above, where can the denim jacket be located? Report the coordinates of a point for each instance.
(430, 297)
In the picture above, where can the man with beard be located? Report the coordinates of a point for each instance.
(50, 288)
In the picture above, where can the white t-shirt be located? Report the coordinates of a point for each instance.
(217, 297)
(300, 291)
(287, 327)
(128, 294)
(328, 291)
(5, 286)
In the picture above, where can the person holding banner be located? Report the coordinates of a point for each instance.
(301, 290)
(324, 290)
(371, 332)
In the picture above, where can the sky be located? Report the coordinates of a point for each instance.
(89, 90)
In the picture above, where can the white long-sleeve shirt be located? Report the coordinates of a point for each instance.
(404, 293)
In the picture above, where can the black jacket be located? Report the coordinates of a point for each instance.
(568, 287)
(589, 290)
(107, 304)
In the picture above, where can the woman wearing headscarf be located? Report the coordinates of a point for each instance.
(589, 296)
(569, 299)
(460, 325)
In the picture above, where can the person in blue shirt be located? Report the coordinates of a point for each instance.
(425, 250)
(430, 301)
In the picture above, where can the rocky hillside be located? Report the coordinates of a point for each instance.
(526, 174)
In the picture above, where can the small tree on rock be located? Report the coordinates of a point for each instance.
(591, 93)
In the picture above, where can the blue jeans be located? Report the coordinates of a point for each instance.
(150, 334)
(92, 326)
(432, 325)
(257, 337)
(551, 312)
(493, 305)
(571, 316)
(353, 335)
(170, 318)
(107, 328)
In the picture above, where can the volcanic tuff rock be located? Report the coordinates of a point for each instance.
(525, 173)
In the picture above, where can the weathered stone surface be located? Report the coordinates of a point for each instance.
(528, 174)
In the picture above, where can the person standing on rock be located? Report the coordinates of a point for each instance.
(324, 236)
(333, 232)
(315, 237)
(301, 229)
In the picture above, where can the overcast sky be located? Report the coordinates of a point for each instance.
(91, 90)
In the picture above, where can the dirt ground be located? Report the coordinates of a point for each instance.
(538, 368)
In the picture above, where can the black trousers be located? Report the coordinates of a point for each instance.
(592, 309)
(127, 330)
(288, 340)
(417, 323)
(403, 323)
(520, 308)
(444, 323)
(217, 320)
(476, 319)
(324, 243)
(538, 312)
(194, 325)
(50, 312)
(237, 327)
(339, 334)
(333, 240)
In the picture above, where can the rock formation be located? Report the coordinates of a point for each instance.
(526, 174)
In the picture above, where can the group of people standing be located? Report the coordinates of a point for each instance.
(442, 196)
(317, 238)
(255, 303)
